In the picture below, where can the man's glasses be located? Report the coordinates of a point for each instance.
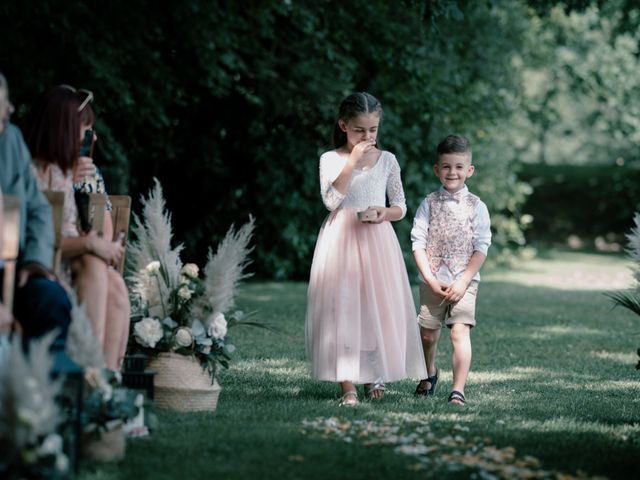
(88, 93)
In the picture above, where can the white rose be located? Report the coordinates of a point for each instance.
(62, 462)
(51, 445)
(526, 219)
(107, 393)
(148, 332)
(190, 270)
(184, 293)
(153, 267)
(183, 336)
(217, 326)
(27, 416)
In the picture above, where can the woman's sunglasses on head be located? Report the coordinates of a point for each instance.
(88, 93)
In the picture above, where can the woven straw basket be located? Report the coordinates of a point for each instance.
(105, 447)
(182, 384)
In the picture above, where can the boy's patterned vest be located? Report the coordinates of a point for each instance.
(450, 240)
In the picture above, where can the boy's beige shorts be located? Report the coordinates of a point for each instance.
(434, 312)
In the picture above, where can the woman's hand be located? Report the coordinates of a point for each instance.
(84, 168)
(6, 319)
(110, 252)
(33, 269)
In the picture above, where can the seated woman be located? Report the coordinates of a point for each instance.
(55, 127)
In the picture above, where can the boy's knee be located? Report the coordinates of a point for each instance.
(460, 331)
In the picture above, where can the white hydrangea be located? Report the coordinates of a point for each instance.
(190, 270)
(184, 337)
(148, 332)
(217, 326)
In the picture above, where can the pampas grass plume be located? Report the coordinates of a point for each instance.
(225, 269)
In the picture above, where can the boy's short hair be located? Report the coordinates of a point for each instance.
(454, 144)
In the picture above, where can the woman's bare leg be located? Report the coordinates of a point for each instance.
(117, 320)
(90, 282)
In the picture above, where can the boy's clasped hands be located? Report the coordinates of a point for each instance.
(449, 293)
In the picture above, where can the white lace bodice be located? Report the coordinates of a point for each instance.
(368, 188)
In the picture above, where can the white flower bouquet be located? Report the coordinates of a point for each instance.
(30, 443)
(107, 403)
(175, 308)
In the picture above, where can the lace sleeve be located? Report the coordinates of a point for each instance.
(330, 168)
(395, 192)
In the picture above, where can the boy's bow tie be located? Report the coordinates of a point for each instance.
(456, 197)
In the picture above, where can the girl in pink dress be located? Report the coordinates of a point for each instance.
(360, 323)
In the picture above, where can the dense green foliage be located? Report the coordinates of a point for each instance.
(588, 201)
(230, 104)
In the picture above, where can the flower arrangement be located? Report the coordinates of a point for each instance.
(29, 416)
(630, 299)
(175, 308)
(107, 404)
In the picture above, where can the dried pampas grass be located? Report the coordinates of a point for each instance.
(153, 234)
(224, 270)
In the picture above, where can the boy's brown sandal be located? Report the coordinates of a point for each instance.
(427, 392)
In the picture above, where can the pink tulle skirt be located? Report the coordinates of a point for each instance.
(361, 319)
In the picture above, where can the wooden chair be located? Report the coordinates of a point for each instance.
(120, 214)
(10, 247)
(56, 199)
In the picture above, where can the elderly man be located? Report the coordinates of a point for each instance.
(40, 303)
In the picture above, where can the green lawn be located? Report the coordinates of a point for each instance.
(553, 390)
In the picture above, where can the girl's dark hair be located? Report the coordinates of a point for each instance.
(52, 129)
(355, 104)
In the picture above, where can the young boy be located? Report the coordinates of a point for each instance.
(451, 235)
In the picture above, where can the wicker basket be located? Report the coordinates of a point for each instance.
(107, 446)
(182, 384)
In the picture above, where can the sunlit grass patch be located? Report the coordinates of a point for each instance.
(623, 358)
